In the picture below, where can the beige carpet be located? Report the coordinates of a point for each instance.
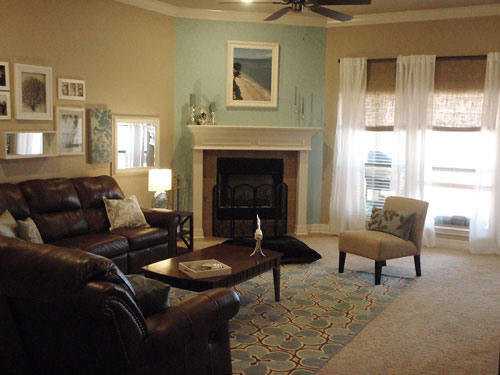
(447, 322)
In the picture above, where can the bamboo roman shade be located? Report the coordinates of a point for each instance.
(458, 93)
(380, 94)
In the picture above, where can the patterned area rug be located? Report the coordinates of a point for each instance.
(319, 313)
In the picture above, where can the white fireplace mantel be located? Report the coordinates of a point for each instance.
(228, 137)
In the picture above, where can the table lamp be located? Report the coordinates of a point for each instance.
(160, 181)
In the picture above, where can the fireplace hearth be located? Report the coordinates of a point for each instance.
(247, 187)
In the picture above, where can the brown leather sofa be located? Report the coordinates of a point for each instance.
(65, 311)
(71, 213)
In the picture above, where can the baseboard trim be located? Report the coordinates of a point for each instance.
(452, 244)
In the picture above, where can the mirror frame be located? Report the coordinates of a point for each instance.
(135, 119)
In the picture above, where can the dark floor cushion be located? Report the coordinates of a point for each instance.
(294, 250)
(151, 295)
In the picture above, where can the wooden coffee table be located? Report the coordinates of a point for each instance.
(244, 267)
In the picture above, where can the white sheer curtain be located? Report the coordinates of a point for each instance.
(347, 205)
(484, 231)
(412, 128)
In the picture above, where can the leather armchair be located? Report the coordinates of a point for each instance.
(65, 311)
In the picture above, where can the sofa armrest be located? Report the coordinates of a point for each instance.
(166, 219)
(195, 317)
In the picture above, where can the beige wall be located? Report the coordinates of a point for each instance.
(124, 54)
(473, 36)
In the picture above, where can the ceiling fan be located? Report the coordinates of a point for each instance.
(315, 6)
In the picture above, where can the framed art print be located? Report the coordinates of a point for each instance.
(70, 124)
(5, 105)
(4, 76)
(252, 74)
(70, 89)
(33, 92)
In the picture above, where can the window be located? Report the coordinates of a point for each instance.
(379, 110)
(136, 146)
(457, 106)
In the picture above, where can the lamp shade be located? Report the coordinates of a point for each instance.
(160, 180)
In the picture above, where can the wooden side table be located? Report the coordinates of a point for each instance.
(185, 232)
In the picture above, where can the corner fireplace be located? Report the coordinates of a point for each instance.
(245, 188)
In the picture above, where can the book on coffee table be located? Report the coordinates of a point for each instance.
(198, 269)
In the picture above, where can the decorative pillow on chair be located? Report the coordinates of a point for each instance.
(151, 295)
(395, 222)
(8, 225)
(28, 231)
(124, 213)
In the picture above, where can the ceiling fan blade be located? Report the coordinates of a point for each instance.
(278, 14)
(253, 2)
(342, 2)
(331, 13)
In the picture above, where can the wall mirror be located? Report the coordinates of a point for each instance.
(135, 144)
(24, 144)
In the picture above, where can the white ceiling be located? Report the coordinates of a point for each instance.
(377, 6)
(379, 11)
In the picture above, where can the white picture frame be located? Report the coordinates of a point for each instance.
(70, 89)
(255, 82)
(5, 105)
(70, 125)
(4, 76)
(33, 92)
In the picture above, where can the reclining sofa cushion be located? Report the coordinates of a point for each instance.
(141, 238)
(105, 244)
(90, 191)
(11, 198)
(55, 208)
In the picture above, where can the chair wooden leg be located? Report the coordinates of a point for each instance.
(378, 271)
(416, 258)
(341, 261)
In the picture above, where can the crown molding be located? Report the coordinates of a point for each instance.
(303, 20)
(420, 15)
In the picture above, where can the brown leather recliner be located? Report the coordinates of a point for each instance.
(65, 311)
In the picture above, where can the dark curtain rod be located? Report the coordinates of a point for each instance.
(437, 57)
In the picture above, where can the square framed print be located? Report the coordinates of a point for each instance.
(4, 76)
(33, 92)
(70, 123)
(5, 105)
(252, 74)
(70, 89)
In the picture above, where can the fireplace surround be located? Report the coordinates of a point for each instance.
(257, 139)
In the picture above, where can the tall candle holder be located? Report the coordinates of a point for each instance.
(192, 108)
(212, 112)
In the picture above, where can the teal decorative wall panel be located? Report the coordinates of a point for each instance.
(100, 136)
(200, 69)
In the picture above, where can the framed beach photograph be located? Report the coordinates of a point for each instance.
(4, 76)
(252, 74)
(33, 92)
(70, 89)
(70, 123)
(4, 105)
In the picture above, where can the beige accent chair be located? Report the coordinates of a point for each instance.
(381, 246)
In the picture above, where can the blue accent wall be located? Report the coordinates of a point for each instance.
(200, 68)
